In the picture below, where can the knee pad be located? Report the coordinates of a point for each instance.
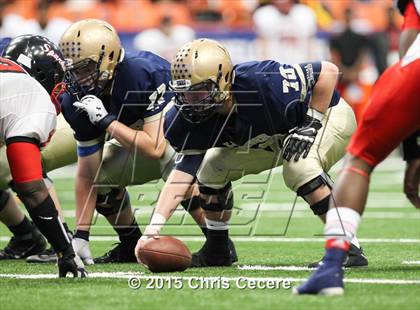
(321, 207)
(4, 198)
(224, 198)
(113, 202)
(309, 187)
(32, 194)
(191, 204)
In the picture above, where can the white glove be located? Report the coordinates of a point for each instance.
(82, 249)
(94, 107)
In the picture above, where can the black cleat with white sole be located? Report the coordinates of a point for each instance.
(21, 247)
(47, 256)
(206, 258)
(121, 253)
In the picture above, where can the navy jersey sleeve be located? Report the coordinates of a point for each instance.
(4, 42)
(159, 72)
(286, 84)
(282, 83)
(286, 88)
(184, 137)
(84, 130)
(140, 88)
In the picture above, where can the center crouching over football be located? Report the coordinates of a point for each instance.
(238, 154)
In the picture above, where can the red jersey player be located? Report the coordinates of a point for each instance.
(392, 116)
(30, 72)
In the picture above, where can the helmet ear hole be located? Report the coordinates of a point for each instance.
(111, 56)
(40, 75)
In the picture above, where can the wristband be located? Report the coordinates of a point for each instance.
(106, 121)
(315, 114)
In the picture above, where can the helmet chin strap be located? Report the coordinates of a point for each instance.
(226, 106)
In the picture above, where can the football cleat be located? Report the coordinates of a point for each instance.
(19, 247)
(82, 249)
(324, 281)
(47, 256)
(206, 258)
(328, 278)
(355, 258)
(232, 251)
(120, 254)
(68, 262)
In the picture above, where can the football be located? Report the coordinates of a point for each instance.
(165, 254)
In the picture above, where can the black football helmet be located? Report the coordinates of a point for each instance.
(40, 58)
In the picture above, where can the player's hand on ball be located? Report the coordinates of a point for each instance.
(96, 111)
(149, 232)
(300, 139)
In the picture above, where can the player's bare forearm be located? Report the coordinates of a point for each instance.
(324, 87)
(412, 182)
(176, 189)
(86, 192)
(85, 203)
(149, 141)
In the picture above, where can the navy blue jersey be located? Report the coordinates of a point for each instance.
(4, 42)
(270, 99)
(138, 93)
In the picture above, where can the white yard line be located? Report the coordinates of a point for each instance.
(128, 275)
(411, 262)
(283, 211)
(265, 268)
(391, 164)
(259, 239)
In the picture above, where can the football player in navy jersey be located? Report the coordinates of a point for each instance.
(3, 44)
(229, 121)
(125, 96)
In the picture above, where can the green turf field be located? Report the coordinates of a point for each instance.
(267, 234)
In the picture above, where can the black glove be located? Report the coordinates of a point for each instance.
(300, 139)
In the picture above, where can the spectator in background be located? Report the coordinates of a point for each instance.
(11, 25)
(348, 50)
(165, 40)
(286, 32)
(51, 28)
(392, 30)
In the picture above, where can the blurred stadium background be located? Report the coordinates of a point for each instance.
(361, 36)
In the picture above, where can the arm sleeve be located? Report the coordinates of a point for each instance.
(411, 147)
(24, 161)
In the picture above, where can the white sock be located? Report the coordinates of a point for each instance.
(355, 242)
(342, 223)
